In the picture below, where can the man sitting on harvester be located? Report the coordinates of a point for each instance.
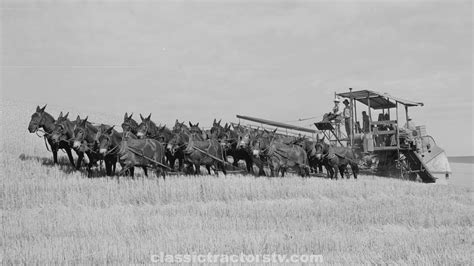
(337, 116)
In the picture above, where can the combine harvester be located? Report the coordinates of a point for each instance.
(386, 147)
(390, 149)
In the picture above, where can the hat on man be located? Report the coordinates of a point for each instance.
(336, 100)
(345, 101)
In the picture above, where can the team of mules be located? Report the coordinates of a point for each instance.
(185, 148)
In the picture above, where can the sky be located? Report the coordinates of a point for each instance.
(279, 60)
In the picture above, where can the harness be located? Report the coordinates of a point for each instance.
(45, 134)
(134, 151)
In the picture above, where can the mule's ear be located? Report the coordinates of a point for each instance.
(125, 116)
(38, 108)
(110, 130)
(60, 114)
(219, 123)
(190, 124)
(130, 117)
(78, 119)
(142, 117)
(44, 107)
(214, 122)
(197, 124)
(85, 120)
(66, 115)
(149, 116)
(274, 131)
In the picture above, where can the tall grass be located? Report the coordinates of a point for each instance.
(51, 214)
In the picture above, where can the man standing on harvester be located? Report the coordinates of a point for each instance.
(346, 114)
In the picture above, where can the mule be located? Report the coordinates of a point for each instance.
(63, 133)
(143, 153)
(336, 159)
(177, 145)
(281, 156)
(109, 141)
(205, 152)
(85, 140)
(309, 147)
(237, 147)
(41, 120)
(148, 129)
(130, 129)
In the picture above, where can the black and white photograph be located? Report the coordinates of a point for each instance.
(236, 132)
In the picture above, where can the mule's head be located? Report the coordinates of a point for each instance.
(225, 140)
(37, 119)
(79, 133)
(179, 126)
(105, 140)
(194, 129)
(175, 144)
(144, 127)
(129, 124)
(216, 132)
(60, 128)
(258, 145)
(320, 148)
(243, 139)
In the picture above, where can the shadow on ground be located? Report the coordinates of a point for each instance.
(64, 165)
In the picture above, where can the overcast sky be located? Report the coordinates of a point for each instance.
(277, 60)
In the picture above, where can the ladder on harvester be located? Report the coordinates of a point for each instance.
(329, 131)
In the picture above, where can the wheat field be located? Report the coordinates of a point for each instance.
(51, 214)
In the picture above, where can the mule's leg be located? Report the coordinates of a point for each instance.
(330, 172)
(55, 156)
(80, 156)
(208, 167)
(69, 155)
(235, 161)
(306, 171)
(145, 170)
(342, 171)
(114, 166)
(197, 170)
(249, 164)
(180, 164)
(89, 169)
(172, 161)
(222, 166)
(162, 172)
(108, 167)
(274, 169)
(216, 168)
(336, 171)
(355, 169)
